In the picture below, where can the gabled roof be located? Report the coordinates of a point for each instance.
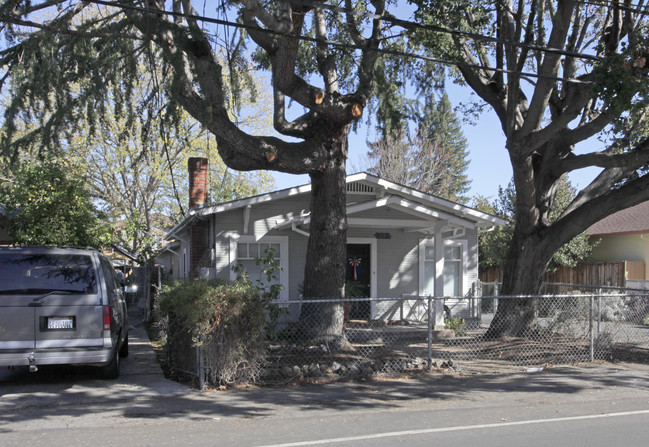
(391, 193)
(634, 220)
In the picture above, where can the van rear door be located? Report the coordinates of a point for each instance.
(68, 322)
(17, 326)
(50, 301)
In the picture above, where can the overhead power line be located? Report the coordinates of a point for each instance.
(439, 29)
(636, 9)
(344, 45)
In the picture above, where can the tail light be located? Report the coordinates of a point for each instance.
(107, 318)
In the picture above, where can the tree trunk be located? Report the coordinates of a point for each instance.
(527, 261)
(324, 273)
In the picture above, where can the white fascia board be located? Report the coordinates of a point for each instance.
(417, 209)
(241, 203)
(426, 215)
(482, 219)
(263, 198)
(181, 226)
(389, 223)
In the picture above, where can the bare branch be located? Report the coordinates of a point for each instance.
(549, 67)
(326, 64)
(351, 25)
(263, 39)
(588, 211)
(369, 57)
(296, 128)
(281, 25)
(631, 160)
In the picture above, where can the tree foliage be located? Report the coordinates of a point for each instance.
(494, 245)
(433, 161)
(319, 89)
(556, 73)
(46, 204)
(137, 169)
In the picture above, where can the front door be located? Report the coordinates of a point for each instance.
(358, 279)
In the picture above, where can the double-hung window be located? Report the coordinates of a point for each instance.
(249, 253)
(454, 271)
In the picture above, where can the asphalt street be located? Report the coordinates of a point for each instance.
(589, 404)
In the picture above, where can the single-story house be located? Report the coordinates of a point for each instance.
(624, 237)
(400, 242)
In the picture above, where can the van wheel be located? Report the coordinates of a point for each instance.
(111, 370)
(123, 351)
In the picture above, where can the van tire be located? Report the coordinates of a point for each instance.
(123, 351)
(111, 369)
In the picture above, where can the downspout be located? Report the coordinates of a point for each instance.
(487, 230)
(246, 218)
(299, 231)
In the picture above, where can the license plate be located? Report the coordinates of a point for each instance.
(60, 323)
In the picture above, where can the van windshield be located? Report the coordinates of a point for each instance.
(22, 273)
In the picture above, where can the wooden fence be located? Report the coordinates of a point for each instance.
(613, 274)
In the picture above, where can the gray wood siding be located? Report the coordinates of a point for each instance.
(397, 273)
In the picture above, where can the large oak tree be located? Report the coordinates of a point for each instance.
(557, 74)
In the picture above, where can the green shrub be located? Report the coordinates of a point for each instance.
(457, 325)
(226, 319)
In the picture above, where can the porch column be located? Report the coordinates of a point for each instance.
(438, 307)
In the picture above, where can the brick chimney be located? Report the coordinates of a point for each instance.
(197, 167)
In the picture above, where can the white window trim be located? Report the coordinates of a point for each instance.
(430, 242)
(283, 257)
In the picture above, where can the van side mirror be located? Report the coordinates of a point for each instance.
(131, 288)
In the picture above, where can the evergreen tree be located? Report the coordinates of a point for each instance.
(434, 161)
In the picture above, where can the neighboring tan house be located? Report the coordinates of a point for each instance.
(400, 242)
(624, 237)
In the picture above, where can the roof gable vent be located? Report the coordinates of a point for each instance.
(360, 188)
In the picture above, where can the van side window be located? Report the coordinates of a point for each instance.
(109, 274)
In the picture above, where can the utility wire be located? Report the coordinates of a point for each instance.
(340, 44)
(407, 24)
(637, 9)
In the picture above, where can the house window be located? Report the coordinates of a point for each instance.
(452, 270)
(247, 251)
(254, 250)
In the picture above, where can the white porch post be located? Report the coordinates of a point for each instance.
(438, 308)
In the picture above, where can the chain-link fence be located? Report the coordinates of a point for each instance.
(480, 334)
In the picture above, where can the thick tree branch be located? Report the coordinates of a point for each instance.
(263, 39)
(326, 64)
(591, 211)
(574, 107)
(482, 82)
(297, 128)
(584, 131)
(549, 68)
(631, 160)
(369, 58)
(356, 36)
(281, 25)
